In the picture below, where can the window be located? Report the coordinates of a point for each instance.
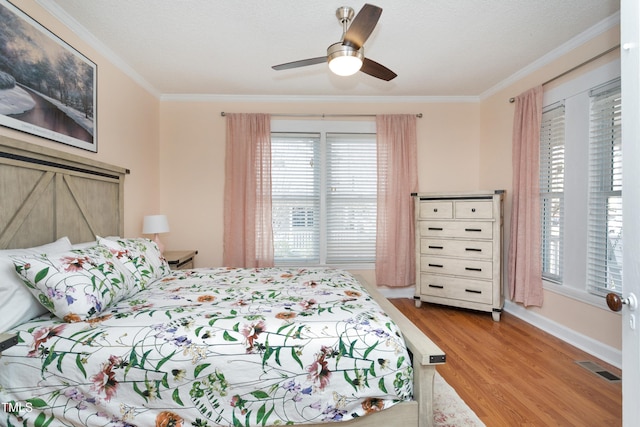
(552, 190)
(351, 193)
(605, 190)
(295, 194)
(324, 190)
(581, 185)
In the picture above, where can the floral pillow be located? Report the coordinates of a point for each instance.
(140, 256)
(17, 304)
(76, 285)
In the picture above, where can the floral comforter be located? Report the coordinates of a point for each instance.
(206, 347)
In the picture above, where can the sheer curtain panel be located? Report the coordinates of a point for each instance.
(525, 268)
(248, 233)
(397, 179)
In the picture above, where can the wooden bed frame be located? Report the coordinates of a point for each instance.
(46, 194)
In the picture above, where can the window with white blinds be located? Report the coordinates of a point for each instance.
(295, 193)
(552, 149)
(351, 192)
(324, 197)
(581, 185)
(605, 190)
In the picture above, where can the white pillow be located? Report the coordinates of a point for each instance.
(17, 304)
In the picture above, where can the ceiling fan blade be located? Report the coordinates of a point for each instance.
(377, 70)
(362, 26)
(301, 63)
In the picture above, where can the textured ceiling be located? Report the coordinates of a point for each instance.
(437, 47)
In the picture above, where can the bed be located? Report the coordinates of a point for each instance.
(108, 335)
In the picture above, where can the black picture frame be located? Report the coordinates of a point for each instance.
(47, 88)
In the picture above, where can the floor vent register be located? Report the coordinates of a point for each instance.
(599, 370)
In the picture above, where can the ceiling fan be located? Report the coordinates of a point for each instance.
(346, 57)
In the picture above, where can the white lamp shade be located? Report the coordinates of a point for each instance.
(154, 224)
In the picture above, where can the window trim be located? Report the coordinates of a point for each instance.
(323, 127)
(581, 84)
(337, 126)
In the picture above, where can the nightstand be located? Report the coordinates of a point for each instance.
(180, 260)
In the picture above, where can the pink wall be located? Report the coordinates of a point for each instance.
(127, 124)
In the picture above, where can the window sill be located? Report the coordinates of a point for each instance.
(576, 294)
(362, 266)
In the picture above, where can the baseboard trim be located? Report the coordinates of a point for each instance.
(606, 353)
(406, 292)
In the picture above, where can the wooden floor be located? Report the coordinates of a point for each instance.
(513, 374)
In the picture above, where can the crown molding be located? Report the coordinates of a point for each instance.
(601, 27)
(319, 99)
(60, 14)
(55, 10)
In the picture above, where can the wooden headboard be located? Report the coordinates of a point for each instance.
(46, 194)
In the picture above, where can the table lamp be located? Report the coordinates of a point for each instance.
(156, 224)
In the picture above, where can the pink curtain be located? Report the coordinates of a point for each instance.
(525, 269)
(397, 179)
(248, 232)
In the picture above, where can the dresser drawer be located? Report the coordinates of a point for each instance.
(481, 209)
(458, 229)
(456, 288)
(473, 268)
(436, 210)
(476, 249)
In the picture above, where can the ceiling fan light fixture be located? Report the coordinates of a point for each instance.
(344, 60)
(347, 56)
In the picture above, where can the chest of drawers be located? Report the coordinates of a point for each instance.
(459, 250)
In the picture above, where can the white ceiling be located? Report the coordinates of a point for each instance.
(438, 48)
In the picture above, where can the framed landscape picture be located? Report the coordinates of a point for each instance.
(47, 88)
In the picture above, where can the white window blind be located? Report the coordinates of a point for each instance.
(295, 181)
(604, 259)
(351, 198)
(324, 197)
(552, 150)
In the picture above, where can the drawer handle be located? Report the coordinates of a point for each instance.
(473, 291)
(473, 249)
(436, 286)
(436, 265)
(435, 228)
(435, 247)
(472, 269)
(477, 230)
(473, 209)
(435, 209)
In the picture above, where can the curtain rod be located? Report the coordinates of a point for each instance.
(512, 100)
(418, 115)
